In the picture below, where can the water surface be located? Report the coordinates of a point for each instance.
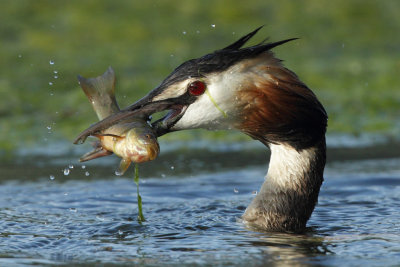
(192, 200)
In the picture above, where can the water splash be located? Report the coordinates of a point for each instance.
(87, 173)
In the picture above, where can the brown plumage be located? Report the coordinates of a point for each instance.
(277, 107)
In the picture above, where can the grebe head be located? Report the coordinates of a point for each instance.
(242, 88)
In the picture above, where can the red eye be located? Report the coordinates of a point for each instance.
(197, 88)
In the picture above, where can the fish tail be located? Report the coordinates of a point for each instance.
(101, 93)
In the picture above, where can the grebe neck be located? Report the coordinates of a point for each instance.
(290, 190)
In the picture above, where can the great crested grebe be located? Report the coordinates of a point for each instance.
(248, 89)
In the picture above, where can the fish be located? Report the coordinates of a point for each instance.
(132, 139)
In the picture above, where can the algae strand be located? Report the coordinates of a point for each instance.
(139, 198)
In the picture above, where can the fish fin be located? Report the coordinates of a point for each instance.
(98, 152)
(123, 166)
(101, 93)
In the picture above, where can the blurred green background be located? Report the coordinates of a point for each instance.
(349, 54)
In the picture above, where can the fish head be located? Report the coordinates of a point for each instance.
(141, 144)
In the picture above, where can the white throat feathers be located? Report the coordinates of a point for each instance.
(290, 190)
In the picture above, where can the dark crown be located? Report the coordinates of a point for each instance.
(220, 60)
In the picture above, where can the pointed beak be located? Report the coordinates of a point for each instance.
(143, 108)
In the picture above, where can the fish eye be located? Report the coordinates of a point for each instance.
(148, 136)
(196, 88)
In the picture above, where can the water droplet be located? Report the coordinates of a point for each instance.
(48, 127)
(235, 191)
(184, 32)
(197, 31)
(51, 62)
(87, 173)
(172, 167)
(50, 83)
(73, 209)
(254, 192)
(172, 55)
(66, 171)
(66, 194)
(19, 55)
(213, 25)
(163, 175)
(83, 167)
(55, 76)
(118, 173)
(55, 72)
(71, 166)
(51, 94)
(52, 177)
(120, 232)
